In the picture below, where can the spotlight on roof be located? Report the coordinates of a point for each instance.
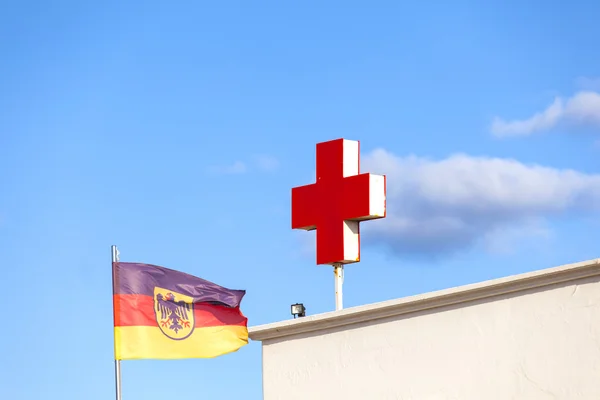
(298, 310)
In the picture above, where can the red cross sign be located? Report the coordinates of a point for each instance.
(338, 201)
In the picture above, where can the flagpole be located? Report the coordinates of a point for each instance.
(115, 258)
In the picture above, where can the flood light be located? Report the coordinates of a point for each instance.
(298, 310)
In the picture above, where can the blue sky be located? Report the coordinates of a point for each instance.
(177, 131)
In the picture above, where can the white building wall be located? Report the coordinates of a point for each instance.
(530, 337)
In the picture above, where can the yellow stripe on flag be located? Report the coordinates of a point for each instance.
(137, 342)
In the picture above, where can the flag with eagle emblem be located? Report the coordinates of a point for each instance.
(166, 314)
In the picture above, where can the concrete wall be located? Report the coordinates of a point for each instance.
(529, 343)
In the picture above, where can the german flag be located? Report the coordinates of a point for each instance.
(160, 313)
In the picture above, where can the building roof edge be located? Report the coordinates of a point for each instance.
(427, 301)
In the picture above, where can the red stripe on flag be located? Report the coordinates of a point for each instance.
(138, 310)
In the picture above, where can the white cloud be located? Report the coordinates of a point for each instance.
(581, 108)
(266, 163)
(263, 163)
(507, 239)
(237, 167)
(441, 206)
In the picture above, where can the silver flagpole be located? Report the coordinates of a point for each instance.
(115, 258)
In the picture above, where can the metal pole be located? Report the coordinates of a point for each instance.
(115, 258)
(338, 271)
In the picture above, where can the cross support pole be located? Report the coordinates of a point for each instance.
(338, 272)
(115, 258)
